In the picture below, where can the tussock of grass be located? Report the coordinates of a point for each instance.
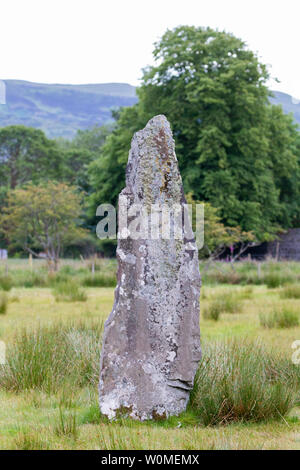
(246, 293)
(227, 302)
(30, 440)
(273, 280)
(52, 356)
(241, 381)
(6, 283)
(69, 292)
(3, 303)
(99, 280)
(230, 302)
(290, 292)
(212, 312)
(32, 279)
(283, 317)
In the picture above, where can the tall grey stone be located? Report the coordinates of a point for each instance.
(151, 342)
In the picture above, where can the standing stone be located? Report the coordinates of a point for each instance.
(151, 342)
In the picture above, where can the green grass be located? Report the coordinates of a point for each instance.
(66, 424)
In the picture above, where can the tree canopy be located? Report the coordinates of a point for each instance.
(27, 155)
(235, 149)
(43, 217)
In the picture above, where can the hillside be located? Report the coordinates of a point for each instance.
(60, 110)
(289, 104)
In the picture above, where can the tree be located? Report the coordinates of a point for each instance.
(218, 237)
(213, 90)
(79, 153)
(107, 173)
(235, 150)
(93, 138)
(75, 168)
(43, 217)
(27, 155)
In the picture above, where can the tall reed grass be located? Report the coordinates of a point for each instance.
(52, 356)
(242, 381)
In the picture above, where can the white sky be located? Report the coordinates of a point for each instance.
(97, 41)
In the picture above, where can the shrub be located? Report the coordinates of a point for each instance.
(5, 283)
(69, 291)
(3, 303)
(291, 292)
(241, 381)
(51, 356)
(280, 318)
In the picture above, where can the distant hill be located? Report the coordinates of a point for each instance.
(289, 104)
(60, 110)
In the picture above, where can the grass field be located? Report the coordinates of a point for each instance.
(43, 411)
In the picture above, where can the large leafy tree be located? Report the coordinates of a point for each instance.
(43, 217)
(235, 150)
(27, 155)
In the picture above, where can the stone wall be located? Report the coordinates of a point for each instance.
(287, 247)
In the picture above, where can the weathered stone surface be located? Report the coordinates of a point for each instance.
(151, 343)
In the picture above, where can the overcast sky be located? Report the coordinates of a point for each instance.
(96, 41)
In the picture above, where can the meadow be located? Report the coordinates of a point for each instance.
(247, 390)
